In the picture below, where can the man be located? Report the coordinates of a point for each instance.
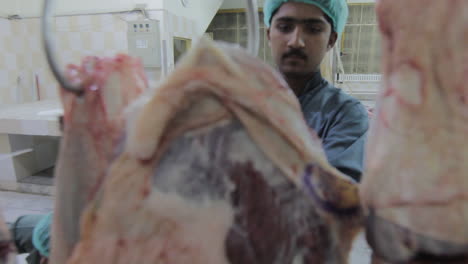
(31, 234)
(300, 33)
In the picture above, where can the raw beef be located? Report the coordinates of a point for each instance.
(415, 187)
(7, 250)
(218, 167)
(93, 128)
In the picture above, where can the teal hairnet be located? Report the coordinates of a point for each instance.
(41, 235)
(337, 10)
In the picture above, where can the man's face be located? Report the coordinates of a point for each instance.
(299, 38)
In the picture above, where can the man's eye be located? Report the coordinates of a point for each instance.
(283, 27)
(313, 29)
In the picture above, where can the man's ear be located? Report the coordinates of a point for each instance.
(332, 40)
(268, 36)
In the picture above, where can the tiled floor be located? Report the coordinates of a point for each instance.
(17, 204)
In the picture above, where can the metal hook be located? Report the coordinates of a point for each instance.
(253, 27)
(47, 24)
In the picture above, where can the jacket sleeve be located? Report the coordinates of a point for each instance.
(345, 139)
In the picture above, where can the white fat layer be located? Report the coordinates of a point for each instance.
(133, 110)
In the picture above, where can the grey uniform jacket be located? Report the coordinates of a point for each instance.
(340, 120)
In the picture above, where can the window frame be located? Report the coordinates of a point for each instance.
(372, 63)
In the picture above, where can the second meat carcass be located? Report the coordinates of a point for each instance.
(415, 184)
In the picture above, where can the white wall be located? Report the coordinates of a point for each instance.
(197, 8)
(6, 7)
(201, 11)
(33, 8)
(238, 4)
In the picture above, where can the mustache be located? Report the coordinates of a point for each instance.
(295, 52)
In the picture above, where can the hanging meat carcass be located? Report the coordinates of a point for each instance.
(7, 248)
(93, 131)
(415, 185)
(218, 166)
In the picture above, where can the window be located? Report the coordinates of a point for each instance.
(181, 46)
(231, 26)
(360, 44)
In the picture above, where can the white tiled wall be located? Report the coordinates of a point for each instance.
(23, 64)
(96, 35)
(22, 61)
(23, 68)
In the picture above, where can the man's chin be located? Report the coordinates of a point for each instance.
(294, 73)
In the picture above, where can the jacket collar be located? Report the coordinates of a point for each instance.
(315, 81)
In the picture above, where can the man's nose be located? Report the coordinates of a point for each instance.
(296, 40)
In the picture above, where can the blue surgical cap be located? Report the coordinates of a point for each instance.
(337, 10)
(41, 235)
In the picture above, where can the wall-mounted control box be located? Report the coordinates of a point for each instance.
(144, 41)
